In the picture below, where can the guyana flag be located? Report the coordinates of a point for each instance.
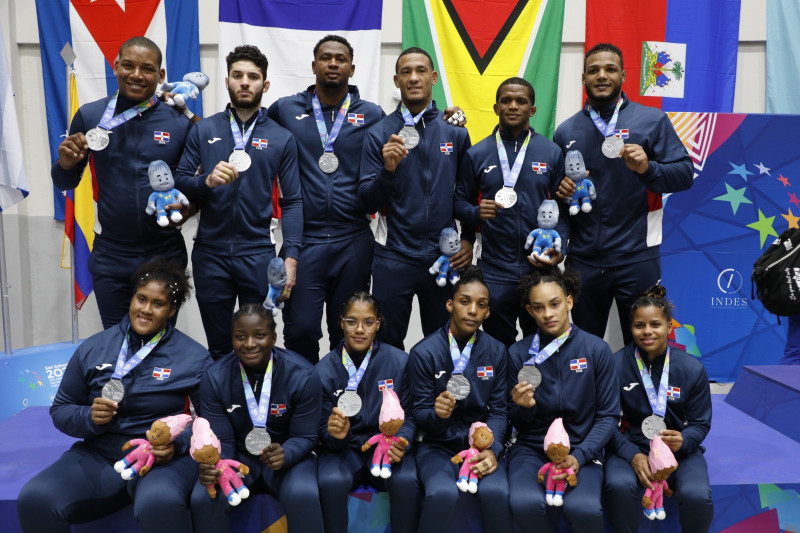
(476, 44)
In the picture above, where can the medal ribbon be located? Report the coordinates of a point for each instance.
(658, 403)
(239, 140)
(408, 119)
(109, 121)
(460, 359)
(125, 365)
(607, 130)
(510, 176)
(329, 138)
(355, 375)
(540, 357)
(258, 410)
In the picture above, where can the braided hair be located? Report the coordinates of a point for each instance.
(256, 309)
(361, 295)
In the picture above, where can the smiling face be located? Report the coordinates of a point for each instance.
(333, 65)
(574, 167)
(514, 108)
(253, 340)
(159, 433)
(138, 73)
(415, 77)
(160, 176)
(650, 329)
(557, 453)
(150, 309)
(549, 307)
(468, 308)
(360, 324)
(547, 216)
(246, 85)
(603, 77)
(482, 438)
(449, 242)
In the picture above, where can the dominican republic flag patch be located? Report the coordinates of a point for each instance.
(277, 409)
(161, 373)
(622, 134)
(386, 384)
(446, 148)
(485, 372)
(673, 392)
(260, 144)
(162, 137)
(538, 167)
(356, 119)
(578, 365)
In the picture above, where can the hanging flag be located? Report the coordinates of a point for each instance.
(13, 184)
(286, 33)
(783, 62)
(95, 29)
(476, 45)
(679, 55)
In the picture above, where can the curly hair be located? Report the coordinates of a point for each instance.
(569, 280)
(248, 52)
(470, 274)
(170, 274)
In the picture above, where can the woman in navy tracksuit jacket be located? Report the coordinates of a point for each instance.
(687, 417)
(579, 386)
(83, 485)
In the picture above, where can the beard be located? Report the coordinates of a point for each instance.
(245, 103)
(602, 101)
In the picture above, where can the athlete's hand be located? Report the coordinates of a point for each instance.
(548, 259)
(273, 456)
(207, 474)
(565, 189)
(103, 410)
(635, 158)
(673, 439)
(223, 174)
(338, 424)
(444, 405)
(72, 150)
(488, 209)
(398, 450)
(463, 258)
(291, 275)
(569, 462)
(394, 151)
(522, 394)
(455, 116)
(187, 212)
(484, 463)
(641, 467)
(162, 452)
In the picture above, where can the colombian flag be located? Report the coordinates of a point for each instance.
(476, 44)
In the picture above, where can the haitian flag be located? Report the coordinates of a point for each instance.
(286, 33)
(95, 29)
(679, 55)
(477, 44)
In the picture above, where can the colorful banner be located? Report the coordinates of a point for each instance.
(746, 192)
(13, 183)
(783, 61)
(476, 45)
(679, 55)
(95, 29)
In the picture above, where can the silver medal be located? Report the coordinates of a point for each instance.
(349, 403)
(257, 440)
(612, 146)
(410, 136)
(652, 426)
(114, 390)
(458, 386)
(531, 374)
(506, 197)
(97, 139)
(328, 162)
(240, 159)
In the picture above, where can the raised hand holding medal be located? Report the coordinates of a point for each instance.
(612, 143)
(328, 162)
(529, 372)
(98, 137)
(239, 157)
(409, 133)
(113, 389)
(458, 385)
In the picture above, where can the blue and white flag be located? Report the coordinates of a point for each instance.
(783, 61)
(286, 33)
(13, 185)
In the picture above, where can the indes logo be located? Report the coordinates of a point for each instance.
(729, 283)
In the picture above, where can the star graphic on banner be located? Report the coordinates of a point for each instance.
(740, 170)
(793, 199)
(783, 180)
(734, 196)
(764, 227)
(791, 219)
(762, 169)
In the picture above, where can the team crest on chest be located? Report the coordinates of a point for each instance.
(161, 373)
(485, 372)
(446, 148)
(673, 393)
(385, 384)
(356, 119)
(578, 365)
(161, 137)
(277, 409)
(622, 134)
(538, 167)
(260, 144)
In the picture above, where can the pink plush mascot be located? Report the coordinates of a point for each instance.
(556, 446)
(390, 421)
(662, 464)
(480, 438)
(141, 459)
(206, 449)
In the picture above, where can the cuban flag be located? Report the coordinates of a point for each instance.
(446, 148)
(260, 144)
(161, 136)
(356, 119)
(385, 384)
(622, 134)
(286, 33)
(673, 392)
(538, 167)
(277, 409)
(578, 365)
(161, 373)
(485, 371)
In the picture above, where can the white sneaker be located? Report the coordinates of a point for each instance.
(375, 470)
(386, 472)
(473, 486)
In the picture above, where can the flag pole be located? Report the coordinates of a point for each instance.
(68, 55)
(9, 349)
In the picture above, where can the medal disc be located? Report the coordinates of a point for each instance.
(652, 426)
(257, 440)
(349, 403)
(114, 390)
(240, 159)
(97, 139)
(506, 197)
(328, 162)
(410, 136)
(612, 146)
(459, 386)
(531, 374)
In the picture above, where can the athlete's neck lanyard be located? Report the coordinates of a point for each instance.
(258, 410)
(460, 359)
(355, 375)
(109, 121)
(329, 138)
(511, 175)
(124, 365)
(607, 130)
(539, 357)
(657, 402)
(239, 139)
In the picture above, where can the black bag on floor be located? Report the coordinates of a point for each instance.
(776, 275)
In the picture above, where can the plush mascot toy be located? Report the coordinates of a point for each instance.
(556, 446)
(140, 460)
(164, 193)
(662, 464)
(575, 169)
(185, 90)
(206, 449)
(544, 237)
(480, 438)
(450, 245)
(277, 276)
(390, 421)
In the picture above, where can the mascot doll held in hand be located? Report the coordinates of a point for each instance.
(140, 460)
(390, 421)
(662, 464)
(164, 193)
(480, 438)
(556, 446)
(207, 449)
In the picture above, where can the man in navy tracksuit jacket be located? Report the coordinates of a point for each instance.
(503, 258)
(129, 236)
(336, 256)
(615, 247)
(233, 245)
(292, 421)
(430, 367)
(579, 385)
(688, 411)
(342, 464)
(414, 188)
(83, 485)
